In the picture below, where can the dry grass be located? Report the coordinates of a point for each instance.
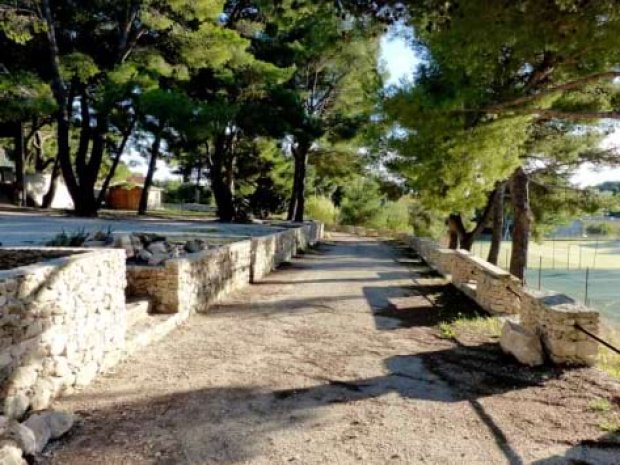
(488, 326)
(608, 360)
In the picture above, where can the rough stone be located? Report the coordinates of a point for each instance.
(194, 246)
(11, 454)
(144, 255)
(22, 435)
(40, 430)
(59, 422)
(15, 406)
(24, 376)
(524, 345)
(42, 394)
(158, 248)
(85, 376)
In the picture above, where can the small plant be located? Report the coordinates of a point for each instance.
(489, 326)
(611, 424)
(322, 209)
(599, 405)
(447, 331)
(75, 239)
(103, 235)
(607, 360)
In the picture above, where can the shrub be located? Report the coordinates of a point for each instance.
(74, 239)
(322, 209)
(361, 204)
(600, 229)
(393, 216)
(175, 192)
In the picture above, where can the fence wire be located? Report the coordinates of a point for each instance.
(588, 270)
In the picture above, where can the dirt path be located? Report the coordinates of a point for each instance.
(333, 360)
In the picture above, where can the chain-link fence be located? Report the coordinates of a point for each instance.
(586, 269)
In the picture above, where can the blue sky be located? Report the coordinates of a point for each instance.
(398, 58)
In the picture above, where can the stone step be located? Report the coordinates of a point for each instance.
(149, 330)
(138, 309)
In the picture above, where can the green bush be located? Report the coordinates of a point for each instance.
(176, 192)
(600, 229)
(322, 209)
(361, 204)
(393, 216)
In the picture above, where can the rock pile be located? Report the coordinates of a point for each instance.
(153, 249)
(20, 440)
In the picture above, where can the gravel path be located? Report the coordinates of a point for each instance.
(334, 359)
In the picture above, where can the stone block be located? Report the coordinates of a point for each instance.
(11, 454)
(40, 431)
(21, 435)
(15, 405)
(524, 345)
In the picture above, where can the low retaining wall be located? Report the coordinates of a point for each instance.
(552, 316)
(192, 283)
(63, 319)
(62, 322)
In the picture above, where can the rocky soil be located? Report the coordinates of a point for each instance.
(338, 359)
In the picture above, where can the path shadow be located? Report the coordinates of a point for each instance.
(229, 425)
(604, 450)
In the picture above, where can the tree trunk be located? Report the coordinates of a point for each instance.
(301, 187)
(198, 179)
(498, 224)
(221, 189)
(20, 169)
(148, 181)
(297, 203)
(466, 238)
(48, 198)
(519, 189)
(223, 198)
(292, 206)
(453, 235)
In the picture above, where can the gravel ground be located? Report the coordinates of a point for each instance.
(336, 359)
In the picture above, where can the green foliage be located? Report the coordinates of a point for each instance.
(322, 209)
(24, 96)
(393, 215)
(178, 192)
(64, 239)
(362, 202)
(599, 405)
(600, 229)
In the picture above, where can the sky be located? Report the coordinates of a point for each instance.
(400, 61)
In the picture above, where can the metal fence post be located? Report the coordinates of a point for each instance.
(585, 299)
(595, 254)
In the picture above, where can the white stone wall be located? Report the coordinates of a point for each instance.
(62, 322)
(192, 283)
(550, 315)
(207, 276)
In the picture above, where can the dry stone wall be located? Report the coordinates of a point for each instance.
(62, 322)
(555, 318)
(192, 283)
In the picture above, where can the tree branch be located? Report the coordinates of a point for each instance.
(571, 85)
